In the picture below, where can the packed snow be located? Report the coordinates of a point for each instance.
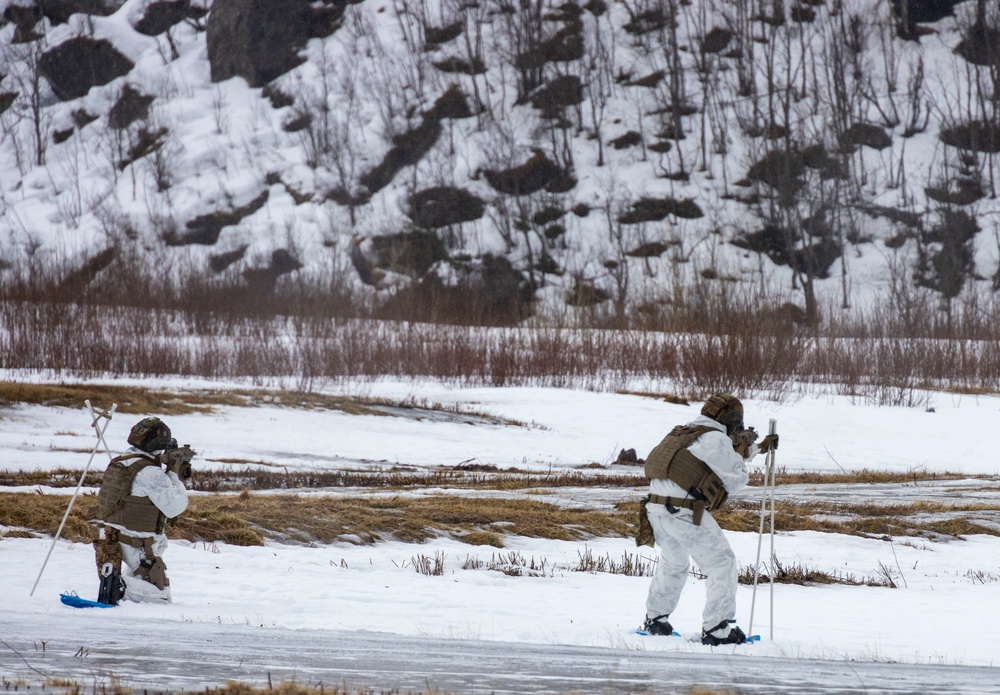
(943, 611)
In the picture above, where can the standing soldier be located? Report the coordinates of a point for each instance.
(692, 472)
(136, 498)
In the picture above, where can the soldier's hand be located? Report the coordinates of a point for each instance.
(181, 468)
(767, 443)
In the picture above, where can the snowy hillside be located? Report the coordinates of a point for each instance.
(617, 153)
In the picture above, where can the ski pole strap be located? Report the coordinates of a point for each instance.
(673, 503)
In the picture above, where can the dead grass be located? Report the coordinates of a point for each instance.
(262, 476)
(141, 400)
(863, 476)
(247, 519)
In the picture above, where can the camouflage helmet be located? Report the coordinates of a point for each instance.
(726, 409)
(150, 434)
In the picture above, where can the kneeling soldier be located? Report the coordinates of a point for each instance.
(141, 489)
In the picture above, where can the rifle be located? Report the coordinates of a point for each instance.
(743, 440)
(178, 459)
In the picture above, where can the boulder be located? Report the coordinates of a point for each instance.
(260, 40)
(59, 11)
(74, 66)
(158, 17)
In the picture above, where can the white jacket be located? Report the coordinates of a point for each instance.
(715, 449)
(164, 489)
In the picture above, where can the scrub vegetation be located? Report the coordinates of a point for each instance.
(365, 516)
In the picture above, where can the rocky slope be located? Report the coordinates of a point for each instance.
(627, 155)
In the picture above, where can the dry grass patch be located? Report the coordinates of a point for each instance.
(141, 400)
(371, 519)
(130, 399)
(866, 520)
(248, 519)
(863, 476)
(265, 476)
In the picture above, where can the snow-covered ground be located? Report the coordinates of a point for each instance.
(943, 613)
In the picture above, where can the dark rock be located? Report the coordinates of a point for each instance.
(461, 66)
(562, 182)
(82, 119)
(547, 264)
(59, 11)
(629, 139)
(131, 106)
(563, 91)
(920, 12)
(904, 217)
(980, 45)
(547, 215)
(408, 149)
(628, 457)
(220, 261)
(962, 191)
(260, 40)
(62, 135)
(159, 17)
(977, 136)
(146, 142)
(77, 281)
(278, 98)
(488, 292)
(782, 170)
(451, 104)
(868, 135)
(24, 18)
(554, 231)
(716, 40)
(205, 229)
(662, 146)
(441, 206)
(74, 66)
(263, 280)
(651, 80)
(655, 209)
(435, 36)
(652, 249)
(298, 122)
(7, 100)
(585, 293)
(946, 266)
(409, 253)
(528, 178)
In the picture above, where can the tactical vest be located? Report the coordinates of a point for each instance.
(116, 503)
(671, 460)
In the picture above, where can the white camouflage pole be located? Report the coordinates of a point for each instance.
(95, 420)
(768, 483)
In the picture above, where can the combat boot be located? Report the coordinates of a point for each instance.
(723, 634)
(658, 625)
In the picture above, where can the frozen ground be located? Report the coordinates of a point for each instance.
(362, 613)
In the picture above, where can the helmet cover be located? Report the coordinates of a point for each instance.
(725, 408)
(150, 434)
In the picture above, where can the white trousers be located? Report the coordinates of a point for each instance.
(136, 588)
(679, 539)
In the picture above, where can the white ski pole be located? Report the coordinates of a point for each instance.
(768, 483)
(773, 429)
(96, 423)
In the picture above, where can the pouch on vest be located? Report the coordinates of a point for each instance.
(644, 529)
(671, 460)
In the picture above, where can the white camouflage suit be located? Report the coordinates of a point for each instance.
(165, 490)
(678, 538)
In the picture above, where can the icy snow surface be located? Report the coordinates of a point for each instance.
(321, 612)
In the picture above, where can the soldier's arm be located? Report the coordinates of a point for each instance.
(165, 490)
